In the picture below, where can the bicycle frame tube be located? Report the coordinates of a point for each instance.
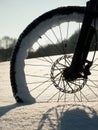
(85, 38)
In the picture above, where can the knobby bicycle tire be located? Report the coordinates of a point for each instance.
(28, 37)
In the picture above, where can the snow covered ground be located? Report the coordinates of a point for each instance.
(43, 116)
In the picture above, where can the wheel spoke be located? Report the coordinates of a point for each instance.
(43, 91)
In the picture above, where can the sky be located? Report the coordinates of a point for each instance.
(15, 15)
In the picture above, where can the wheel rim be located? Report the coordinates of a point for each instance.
(36, 71)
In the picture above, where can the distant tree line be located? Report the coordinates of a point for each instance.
(67, 46)
(6, 47)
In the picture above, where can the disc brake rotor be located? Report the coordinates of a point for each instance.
(58, 79)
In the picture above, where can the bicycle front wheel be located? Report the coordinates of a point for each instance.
(42, 51)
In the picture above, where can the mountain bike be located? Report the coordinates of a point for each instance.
(55, 57)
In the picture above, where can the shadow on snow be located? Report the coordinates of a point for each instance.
(72, 117)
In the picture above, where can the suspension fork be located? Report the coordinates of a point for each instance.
(84, 41)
